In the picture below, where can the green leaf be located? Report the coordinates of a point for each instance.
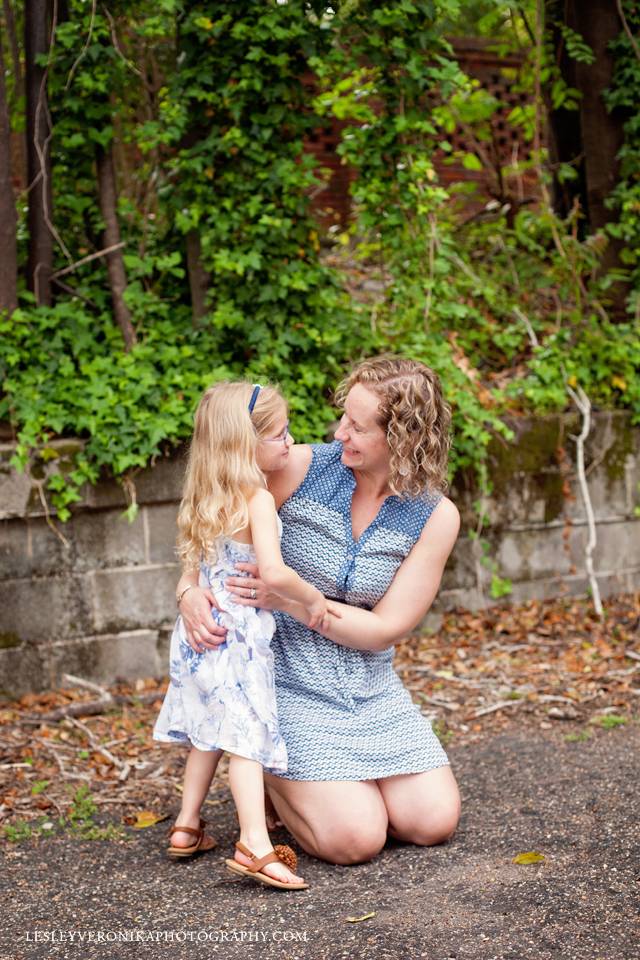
(524, 859)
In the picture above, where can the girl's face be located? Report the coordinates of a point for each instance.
(273, 450)
(364, 442)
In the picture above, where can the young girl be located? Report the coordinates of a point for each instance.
(224, 699)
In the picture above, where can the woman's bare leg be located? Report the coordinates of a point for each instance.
(423, 808)
(342, 821)
(346, 821)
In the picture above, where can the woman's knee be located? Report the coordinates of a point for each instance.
(433, 824)
(348, 844)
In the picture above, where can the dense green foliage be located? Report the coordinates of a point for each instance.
(206, 106)
(625, 200)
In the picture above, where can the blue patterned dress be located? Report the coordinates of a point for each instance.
(225, 698)
(343, 713)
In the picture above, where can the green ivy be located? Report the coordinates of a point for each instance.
(207, 106)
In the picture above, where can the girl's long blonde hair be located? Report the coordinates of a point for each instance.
(222, 472)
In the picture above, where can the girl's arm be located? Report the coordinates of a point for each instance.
(274, 573)
(405, 603)
(196, 604)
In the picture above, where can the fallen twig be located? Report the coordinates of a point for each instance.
(88, 685)
(88, 708)
(497, 706)
(446, 704)
(124, 768)
(551, 698)
(64, 773)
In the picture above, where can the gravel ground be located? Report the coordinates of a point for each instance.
(575, 802)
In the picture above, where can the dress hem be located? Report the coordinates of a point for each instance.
(185, 740)
(361, 779)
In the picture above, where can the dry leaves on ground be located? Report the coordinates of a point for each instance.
(553, 661)
(542, 662)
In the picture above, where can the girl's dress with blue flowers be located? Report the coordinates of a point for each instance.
(224, 699)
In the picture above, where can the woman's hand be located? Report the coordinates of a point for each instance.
(203, 633)
(251, 591)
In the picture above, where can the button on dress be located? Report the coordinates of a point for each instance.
(344, 714)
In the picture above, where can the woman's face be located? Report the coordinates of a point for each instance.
(273, 450)
(364, 442)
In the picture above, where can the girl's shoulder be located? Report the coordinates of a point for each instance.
(261, 499)
(282, 483)
(305, 462)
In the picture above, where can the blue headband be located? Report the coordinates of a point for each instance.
(254, 397)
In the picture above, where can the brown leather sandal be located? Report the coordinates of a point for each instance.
(202, 844)
(281, 853)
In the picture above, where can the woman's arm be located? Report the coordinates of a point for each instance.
(405, 603)
(203, 633)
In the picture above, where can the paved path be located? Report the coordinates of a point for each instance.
(578, 803)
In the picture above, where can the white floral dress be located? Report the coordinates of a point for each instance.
(224, 699)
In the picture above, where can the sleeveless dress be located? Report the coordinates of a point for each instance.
(224, 699)
(344, 714)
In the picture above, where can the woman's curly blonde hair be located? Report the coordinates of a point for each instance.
(415, 417)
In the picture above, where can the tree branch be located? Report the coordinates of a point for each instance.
(583, 404)
(627, 29)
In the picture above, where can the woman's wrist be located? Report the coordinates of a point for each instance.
(188, 579)
(181, 592)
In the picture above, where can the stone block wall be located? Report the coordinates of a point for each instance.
(101, 604)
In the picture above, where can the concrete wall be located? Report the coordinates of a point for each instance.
(102, 604)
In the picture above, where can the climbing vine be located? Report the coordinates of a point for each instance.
(204, 108)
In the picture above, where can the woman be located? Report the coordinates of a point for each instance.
(365, 521)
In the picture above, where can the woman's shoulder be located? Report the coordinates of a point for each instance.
(444, 520)
(429, 510)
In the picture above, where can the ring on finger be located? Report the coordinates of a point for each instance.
(254, 593)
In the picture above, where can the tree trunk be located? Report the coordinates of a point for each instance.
(198, 276)
(602, 132)
(8, 220)
(115, 263)
(590, 137)
(564, 132)
(10, 23)
(40, 262)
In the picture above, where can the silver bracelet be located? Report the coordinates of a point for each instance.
(182, 593)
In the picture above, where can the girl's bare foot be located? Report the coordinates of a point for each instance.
(277, 871)
(179, 839)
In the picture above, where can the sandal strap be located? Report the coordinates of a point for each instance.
(177, 828)
(257, 864)
(193, 830)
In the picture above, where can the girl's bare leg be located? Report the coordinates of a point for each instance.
(198, 774)
(342, 821)
(247, 787)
